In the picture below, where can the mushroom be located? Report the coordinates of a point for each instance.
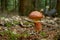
(36, 17)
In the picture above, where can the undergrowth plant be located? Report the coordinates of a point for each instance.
(8, 24)
(43, 34)
(10, 34)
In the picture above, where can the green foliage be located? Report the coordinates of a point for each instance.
(27, 23)
(43, 34)
(0, 3)
(15, 22)
(12, 5)
(40, 4)
(11, 35)
(8, 24)
(2, 33)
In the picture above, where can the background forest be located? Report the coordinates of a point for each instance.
(24, 7)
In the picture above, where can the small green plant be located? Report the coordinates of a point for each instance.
(8, 24)
(43, 34)
(11, 35)
(15, 22)
(26, 23)
(2, 33)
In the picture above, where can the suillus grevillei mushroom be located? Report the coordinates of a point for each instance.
(36, 17)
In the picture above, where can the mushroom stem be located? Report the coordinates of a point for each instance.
(38, 26)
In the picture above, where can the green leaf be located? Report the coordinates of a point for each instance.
(8, 24)
(43, 34)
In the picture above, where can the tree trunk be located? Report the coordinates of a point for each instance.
(58, 6)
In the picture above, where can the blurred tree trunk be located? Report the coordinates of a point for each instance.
(0, 5)
(25, 7)
(21, 7)
(58, 6)
(3, 5)
(53, 3)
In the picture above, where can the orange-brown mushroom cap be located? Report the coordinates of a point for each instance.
(35, 15)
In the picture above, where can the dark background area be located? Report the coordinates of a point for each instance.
(24, 7)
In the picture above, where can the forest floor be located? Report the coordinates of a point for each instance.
(22, 28)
